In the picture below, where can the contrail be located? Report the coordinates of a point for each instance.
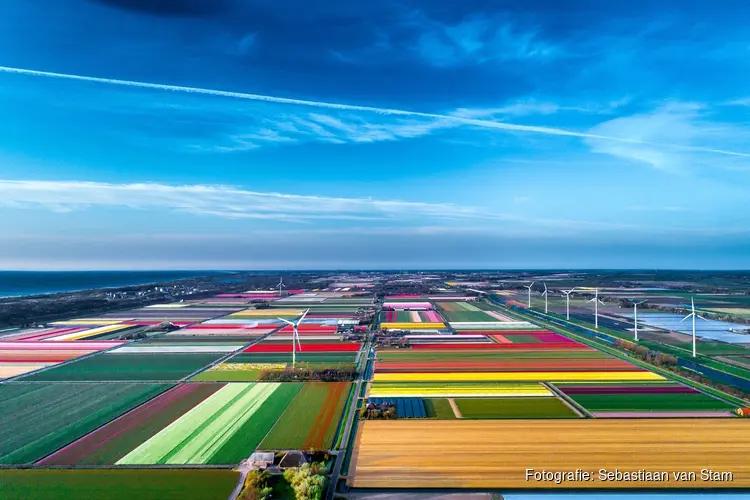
(350, 107)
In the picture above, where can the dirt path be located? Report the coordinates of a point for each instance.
(243, 469)
(456, 411)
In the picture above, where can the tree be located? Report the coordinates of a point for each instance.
(307, 482)
(256, 486)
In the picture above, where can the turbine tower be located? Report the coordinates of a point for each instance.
(693, 315)
(544, 294)
(281, 284)
(635, 317)
(596, 302)
(529, 287)
(295, 335)
(567, 302)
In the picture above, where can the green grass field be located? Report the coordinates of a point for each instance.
(743, 360)
(116, 484)
(525, 407)
(124, 367)
(37, 419)
(438, 408)
(728, 368)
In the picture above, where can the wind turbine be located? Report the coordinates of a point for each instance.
(281, 284)
(544, 294)
(693, 315)
(567, 302)
(529, 287)
(295, 335)
(635, 317)
(596, 302)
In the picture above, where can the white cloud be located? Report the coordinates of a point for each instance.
(224, 201)
(673, 138)
(532, 106)
(745, 101)
(645, 208)
(478, 40)
(398, 113)
(231, 202)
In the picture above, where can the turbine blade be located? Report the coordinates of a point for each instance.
(701, 317)
(303, 316)
(686, 317)
(286, 321)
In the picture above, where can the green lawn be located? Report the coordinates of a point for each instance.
(116, 484)
(525, 407)
(438, 408)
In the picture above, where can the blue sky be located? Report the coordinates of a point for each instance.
(289, 134)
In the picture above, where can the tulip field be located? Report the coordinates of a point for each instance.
(37, 419)
(127, 367)
(506, 392)
(116, 484)
(88, 400)
(219, 430)
(416, 453)
(90, 392)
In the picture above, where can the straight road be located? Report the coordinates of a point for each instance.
(342, 451)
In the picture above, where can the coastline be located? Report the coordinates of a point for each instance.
(110, 287)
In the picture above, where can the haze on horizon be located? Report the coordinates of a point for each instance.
(225, 134)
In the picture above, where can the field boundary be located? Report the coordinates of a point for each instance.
(455, 409)
(613, 351)
(567, 401)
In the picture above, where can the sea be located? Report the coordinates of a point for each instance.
(19, 283)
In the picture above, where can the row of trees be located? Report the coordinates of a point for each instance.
(307, 482)
(345, 373)
(372, 411)
(648, 355)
